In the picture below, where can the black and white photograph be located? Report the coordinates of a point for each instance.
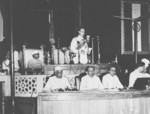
(74, 56)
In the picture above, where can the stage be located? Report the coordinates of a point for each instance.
(31, 85)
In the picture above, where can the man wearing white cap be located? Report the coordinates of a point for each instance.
(35, 66)
(57, 82)
(139, 72)
(146, 61)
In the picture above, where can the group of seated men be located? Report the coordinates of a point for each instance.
(90, 81)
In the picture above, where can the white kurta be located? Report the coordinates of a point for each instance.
(90, 83)
(111, 82)
(56, 83)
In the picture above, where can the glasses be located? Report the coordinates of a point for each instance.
(91, 71)
(113, 70)
(36, 54)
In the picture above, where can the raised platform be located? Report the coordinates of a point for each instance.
(31, 85)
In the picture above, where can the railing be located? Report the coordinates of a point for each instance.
(29, 85)
(25, 85)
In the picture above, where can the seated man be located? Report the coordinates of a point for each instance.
(57, 82)
(6, 64)
(90, 81)
(110, 80)
(35, 66)
(137, 73)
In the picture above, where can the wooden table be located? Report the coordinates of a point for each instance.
(95, 102)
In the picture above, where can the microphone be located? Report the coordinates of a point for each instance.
(32, 93)
(98, 39)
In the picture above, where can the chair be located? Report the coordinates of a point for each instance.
(78, 80)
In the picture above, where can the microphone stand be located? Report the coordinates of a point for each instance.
(78, 57)
(52, 51)
(64, 52)
(92, 50)
(135, 28)
(12, 75)
(58, 51)
(98, 43)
